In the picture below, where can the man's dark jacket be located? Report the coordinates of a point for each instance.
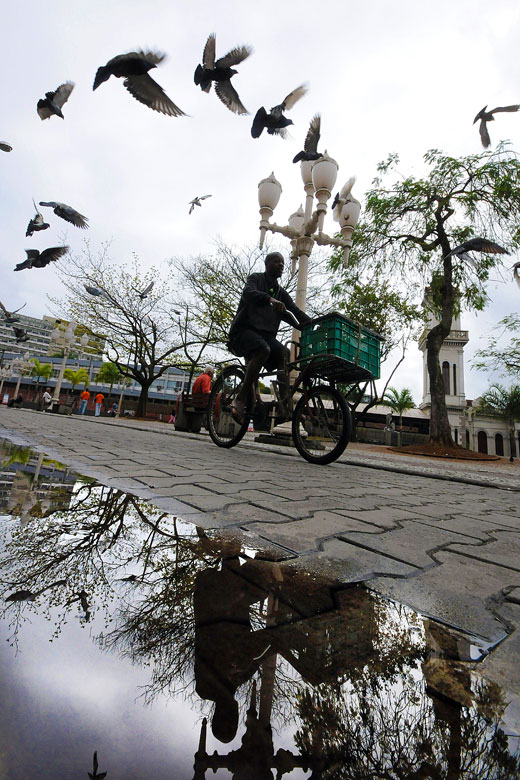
(255, 311)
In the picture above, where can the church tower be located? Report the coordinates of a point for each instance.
(451, 358)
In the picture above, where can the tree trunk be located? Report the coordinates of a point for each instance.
(440, 431)
(142, 401)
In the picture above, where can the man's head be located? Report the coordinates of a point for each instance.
(274, 264)
(47, 389)
(209, 370)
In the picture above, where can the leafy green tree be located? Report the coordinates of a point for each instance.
(141, 334)
(40, 371)
(504, 358)
(78, 377)
(410, 225)
(108, 374)
(399, 401)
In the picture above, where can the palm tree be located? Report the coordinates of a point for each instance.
(76, 377)
(40, 370)
(108, 374)
(503, 402)
(399, 402)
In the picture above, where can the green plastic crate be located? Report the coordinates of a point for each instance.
(335, 334)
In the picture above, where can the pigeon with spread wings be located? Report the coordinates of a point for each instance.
(221, 71)
(20, 334)
(96, 291)
(310, 146)
(134, 67)
(9, 317)
(144, 293)
(67, 213)
(476, 244)
(53, 102)
(197, 201)
(36, 223)
(36, 259)
(275, 122)
(487, 116)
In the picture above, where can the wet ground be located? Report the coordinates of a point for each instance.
(170, 651)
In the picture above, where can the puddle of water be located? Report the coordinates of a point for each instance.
(176, 653)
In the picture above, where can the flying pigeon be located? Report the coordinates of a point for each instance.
(516, 273)
(95, 775)
(275, 122)
(97, 291)
(477, 245)
(5, 147)
(310, 147)
(134, 67)
(36, 259)
(342, 197)
(67, 213)
(487, 116)
(197, 201)
(36, 223)
(221, 72)
(144, 294)
(9, 318)
(20, 334)
(53, 102)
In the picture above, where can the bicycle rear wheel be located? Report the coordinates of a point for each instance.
(223, 429)
(321, 425)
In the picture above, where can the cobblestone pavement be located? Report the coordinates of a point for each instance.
(441, 538)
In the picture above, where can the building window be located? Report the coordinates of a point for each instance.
(446, 377)
(454, 379)
(499, 444)
(467, 439)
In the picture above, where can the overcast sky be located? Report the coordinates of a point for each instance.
(386, 75)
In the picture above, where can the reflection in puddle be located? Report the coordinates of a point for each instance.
(269, 671)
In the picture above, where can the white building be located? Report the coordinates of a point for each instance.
(482, 433)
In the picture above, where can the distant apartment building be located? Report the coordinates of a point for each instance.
(39, 343)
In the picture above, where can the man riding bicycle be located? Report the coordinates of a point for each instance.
(254, 328)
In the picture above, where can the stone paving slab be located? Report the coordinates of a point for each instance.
(460, 591)
(428, 535)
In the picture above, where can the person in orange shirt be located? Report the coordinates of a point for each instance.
(98, 400)
(85, 395)
(203, 382)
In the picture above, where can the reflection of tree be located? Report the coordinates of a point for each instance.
(401, 729)
(372, 690)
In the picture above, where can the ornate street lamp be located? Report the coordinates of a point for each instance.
(67, 339)
(305, 227)
(20, 366)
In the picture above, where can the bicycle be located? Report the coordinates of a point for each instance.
(320, 417)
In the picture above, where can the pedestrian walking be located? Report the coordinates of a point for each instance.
(98, 401)
(85, 395)
(172, 415)
(47, 400)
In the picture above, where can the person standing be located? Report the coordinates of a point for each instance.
(98, 401)
(47, 400)
(85, 395)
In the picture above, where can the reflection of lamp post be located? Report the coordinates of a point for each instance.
(68, 339)
(305, 228)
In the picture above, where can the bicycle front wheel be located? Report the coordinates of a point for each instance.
(321, 425)
(223, 429)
